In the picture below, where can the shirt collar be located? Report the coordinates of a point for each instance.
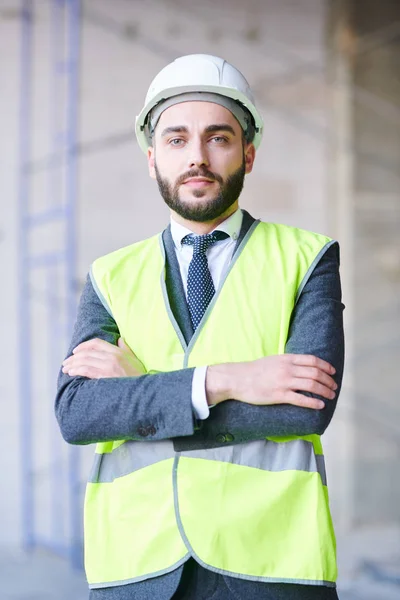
(231, 226)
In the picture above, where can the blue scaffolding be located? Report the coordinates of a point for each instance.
(58, 267)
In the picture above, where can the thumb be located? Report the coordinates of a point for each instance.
(121, 344)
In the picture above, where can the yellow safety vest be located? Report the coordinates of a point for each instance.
(256, 510)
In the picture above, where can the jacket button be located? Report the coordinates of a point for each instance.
(221, 438)
(229, 437)
(143, 431)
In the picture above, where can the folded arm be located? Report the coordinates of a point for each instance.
(115, 408)
(316, 329)
(112, 408)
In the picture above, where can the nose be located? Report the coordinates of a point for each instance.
(198, 156)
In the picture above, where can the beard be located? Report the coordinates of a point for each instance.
(229, 192)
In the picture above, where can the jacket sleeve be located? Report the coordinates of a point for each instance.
(316, 328)
(150, 407)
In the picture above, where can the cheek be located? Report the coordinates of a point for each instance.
(165, 164)
(170, 168)
(228, 158)
(167, 176)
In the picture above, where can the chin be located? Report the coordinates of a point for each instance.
(197, 196)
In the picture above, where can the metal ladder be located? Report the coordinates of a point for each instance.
(57, 266)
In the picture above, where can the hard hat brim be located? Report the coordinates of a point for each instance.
(141, 119)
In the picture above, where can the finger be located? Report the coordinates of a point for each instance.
(86, 371)
(95, 344)
(83, 355)
(89, 361)
(121, 344)
(316, 374)
(308, 360)
(312, 386)
(124, 346)
(304, 401)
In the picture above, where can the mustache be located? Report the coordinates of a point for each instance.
(199, 173)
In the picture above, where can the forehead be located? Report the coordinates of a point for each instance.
(197, 115)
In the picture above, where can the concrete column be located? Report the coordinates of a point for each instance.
(364, 440)
(339, 439)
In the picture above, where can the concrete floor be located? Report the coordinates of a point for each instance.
(39, 576)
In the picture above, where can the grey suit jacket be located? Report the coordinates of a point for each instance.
(91, 411)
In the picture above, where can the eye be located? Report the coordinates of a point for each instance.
(176, 142)
(219, 139)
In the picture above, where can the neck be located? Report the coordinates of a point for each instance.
(202, 228)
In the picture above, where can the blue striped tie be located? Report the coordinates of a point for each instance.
(200, 286)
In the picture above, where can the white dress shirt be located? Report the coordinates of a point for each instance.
(219, 256)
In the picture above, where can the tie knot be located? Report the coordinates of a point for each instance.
(201, 243)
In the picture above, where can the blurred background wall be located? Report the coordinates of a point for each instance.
(74, 185)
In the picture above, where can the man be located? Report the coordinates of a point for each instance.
(205, 363)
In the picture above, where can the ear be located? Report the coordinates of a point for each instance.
(249, 157)
(151, 162)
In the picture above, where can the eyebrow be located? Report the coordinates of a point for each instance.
(176, 129)
(220, 127)
(210, 129)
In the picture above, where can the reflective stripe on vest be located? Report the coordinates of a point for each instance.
(298, 455)
(257, 510)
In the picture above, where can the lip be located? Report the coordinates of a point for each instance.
(198, 181)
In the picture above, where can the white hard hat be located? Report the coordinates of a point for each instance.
(197, 73)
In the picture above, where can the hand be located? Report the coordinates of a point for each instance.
(273, 380)
(97, 358)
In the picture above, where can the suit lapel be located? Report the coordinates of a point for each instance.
(174, 285)
(247, 222)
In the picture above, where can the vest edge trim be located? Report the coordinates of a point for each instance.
(167, 305)
(311, 268)
(99, 293)
(94, 586)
